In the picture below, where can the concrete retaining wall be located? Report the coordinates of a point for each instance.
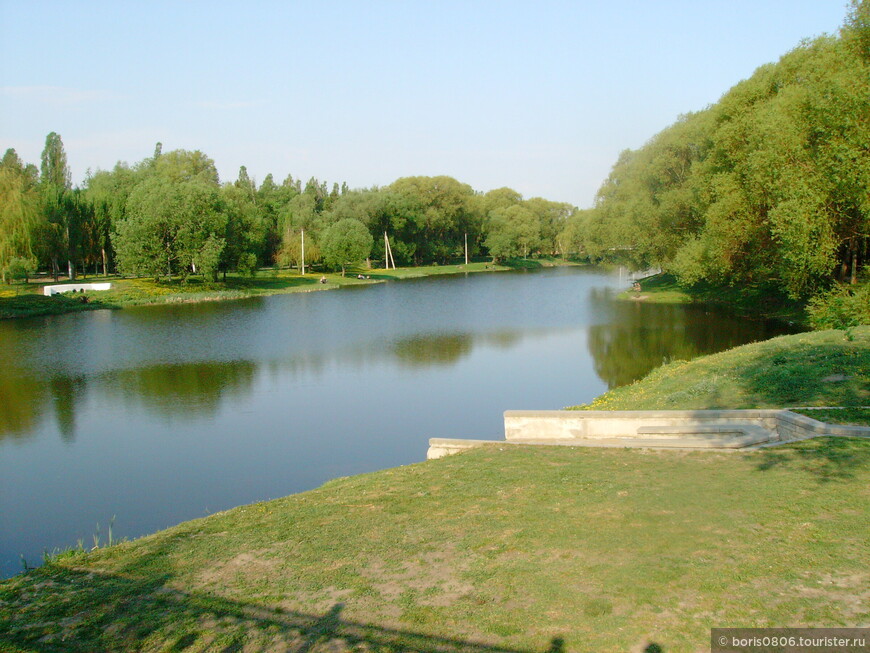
(440, 447)
(599, 424)
(48, 291)
(647, 428)
(794, 426)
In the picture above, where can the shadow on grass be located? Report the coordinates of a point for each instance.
(522, 264)
(57, 608)
(827, 459)
(36, 305)
(754, 300)
(267, 283)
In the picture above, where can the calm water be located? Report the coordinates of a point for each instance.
(162, 414)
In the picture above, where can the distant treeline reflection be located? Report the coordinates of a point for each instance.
(639, 337)
(630, 340)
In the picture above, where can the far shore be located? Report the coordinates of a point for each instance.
(27, 300)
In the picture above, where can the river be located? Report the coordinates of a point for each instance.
(151, 416)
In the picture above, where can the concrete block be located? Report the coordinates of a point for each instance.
(48, 291)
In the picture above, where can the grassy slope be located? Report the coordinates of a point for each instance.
(27, 300)
(494, 549)
(822, 368)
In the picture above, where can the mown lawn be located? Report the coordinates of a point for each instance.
(513, 549)
(822, 368)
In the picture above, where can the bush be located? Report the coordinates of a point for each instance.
(841, 307)
(21, 269)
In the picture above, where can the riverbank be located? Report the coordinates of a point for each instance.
(757, 301)
(491, 550)
(27, 300)
(816, 369)
(486, 551)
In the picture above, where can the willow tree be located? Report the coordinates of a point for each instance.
(176, 220)
(346, 242)
(19, 216)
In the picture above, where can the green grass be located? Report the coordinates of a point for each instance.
(26, 300)
(822, 368)
(508, 549)
(848, 416)
(757, 300)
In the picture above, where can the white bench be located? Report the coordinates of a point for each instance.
(48, 291)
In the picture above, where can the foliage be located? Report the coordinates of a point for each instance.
(769, 184)
(20, 269)
(127, 218)
(841, 307)
(172, 228)
(347, 241)
(513, 231)
(290, 252)
(19, 213)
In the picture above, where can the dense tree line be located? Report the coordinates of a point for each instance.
(170, 216)
(770, 184)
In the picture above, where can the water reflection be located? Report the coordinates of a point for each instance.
(639, 337)
(67, 393)
(427, 350)
(189, 391)
(183, 410)
(21, 401)
(626, 341)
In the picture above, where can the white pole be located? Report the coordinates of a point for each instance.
(466, 249)
(303, 252)
(386, 252)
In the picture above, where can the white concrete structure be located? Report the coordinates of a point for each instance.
(654, 429)
(48, 291)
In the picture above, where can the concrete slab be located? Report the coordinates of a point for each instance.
(724, 430)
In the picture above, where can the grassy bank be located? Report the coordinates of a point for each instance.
(756, 300)
(27, 300)
(489, 550)
(821, 368)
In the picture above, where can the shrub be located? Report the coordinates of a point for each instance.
(841, 307)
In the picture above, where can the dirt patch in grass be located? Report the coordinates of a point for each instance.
(434, 576)
(849, 593)
(251, 564)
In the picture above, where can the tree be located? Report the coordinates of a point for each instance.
(513, 231)
(108, 191)
(290, 253)
(19, 215)
(59, 213)
(447, 211)
(172, 228)
(347, 241)
(768, 185)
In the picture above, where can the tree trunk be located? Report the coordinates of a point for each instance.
(105, 267)
(854, 247)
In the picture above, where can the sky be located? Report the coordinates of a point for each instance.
(540, 96)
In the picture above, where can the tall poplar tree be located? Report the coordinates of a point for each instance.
(59, 214)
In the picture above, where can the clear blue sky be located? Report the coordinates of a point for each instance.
(539, 96)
